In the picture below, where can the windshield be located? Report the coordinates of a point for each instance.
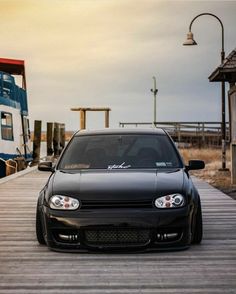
(119, 152)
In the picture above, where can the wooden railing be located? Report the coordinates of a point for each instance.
(189, 133)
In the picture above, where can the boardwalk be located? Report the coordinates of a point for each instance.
(26, 267)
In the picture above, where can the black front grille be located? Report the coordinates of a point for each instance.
(116, 204)
(121, 237)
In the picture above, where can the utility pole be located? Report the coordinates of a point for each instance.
(154, 91)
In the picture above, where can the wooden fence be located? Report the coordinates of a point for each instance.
(197, 134)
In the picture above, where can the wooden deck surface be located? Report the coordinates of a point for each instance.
(26, 267)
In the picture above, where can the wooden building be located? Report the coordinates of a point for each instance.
(227, 72)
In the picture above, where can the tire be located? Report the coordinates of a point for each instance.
(197, 233)
(39, 227)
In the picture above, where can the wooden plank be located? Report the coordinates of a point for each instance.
(27, 267)
(91, 109)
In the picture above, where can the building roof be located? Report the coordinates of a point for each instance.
(226, 71)
(12, 66)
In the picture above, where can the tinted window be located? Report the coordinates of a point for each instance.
(120, 152)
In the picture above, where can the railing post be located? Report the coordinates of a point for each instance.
(179, 132)
(82, 119)
(37, 141)
(199, 136)
(62, 137)
(203, 135)
(56, 139)
(49, 138)
(107, 119)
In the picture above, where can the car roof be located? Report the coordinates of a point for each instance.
(108, 131)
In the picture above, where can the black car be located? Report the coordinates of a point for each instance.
(119, 190)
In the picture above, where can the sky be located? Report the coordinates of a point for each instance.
(104, 53)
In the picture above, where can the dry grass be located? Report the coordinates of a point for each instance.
(211, 173)
(208, 155)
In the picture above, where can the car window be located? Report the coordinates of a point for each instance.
(119, 152)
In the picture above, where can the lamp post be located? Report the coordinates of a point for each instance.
(190, 41)
(155, 90)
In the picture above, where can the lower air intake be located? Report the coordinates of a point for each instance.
(117, 237)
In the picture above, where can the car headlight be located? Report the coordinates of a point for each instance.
(170, 201)
(63, 202)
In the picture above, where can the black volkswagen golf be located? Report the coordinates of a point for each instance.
(124, 189)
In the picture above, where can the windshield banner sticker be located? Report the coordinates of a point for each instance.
(120, 166)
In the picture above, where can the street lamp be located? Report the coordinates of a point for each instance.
(155, 90)
(190, 41)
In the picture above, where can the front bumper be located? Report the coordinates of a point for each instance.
(117, 229)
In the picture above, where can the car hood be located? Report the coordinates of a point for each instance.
(110, 185)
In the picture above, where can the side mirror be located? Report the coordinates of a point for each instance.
(195, 164)
(45, 166)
